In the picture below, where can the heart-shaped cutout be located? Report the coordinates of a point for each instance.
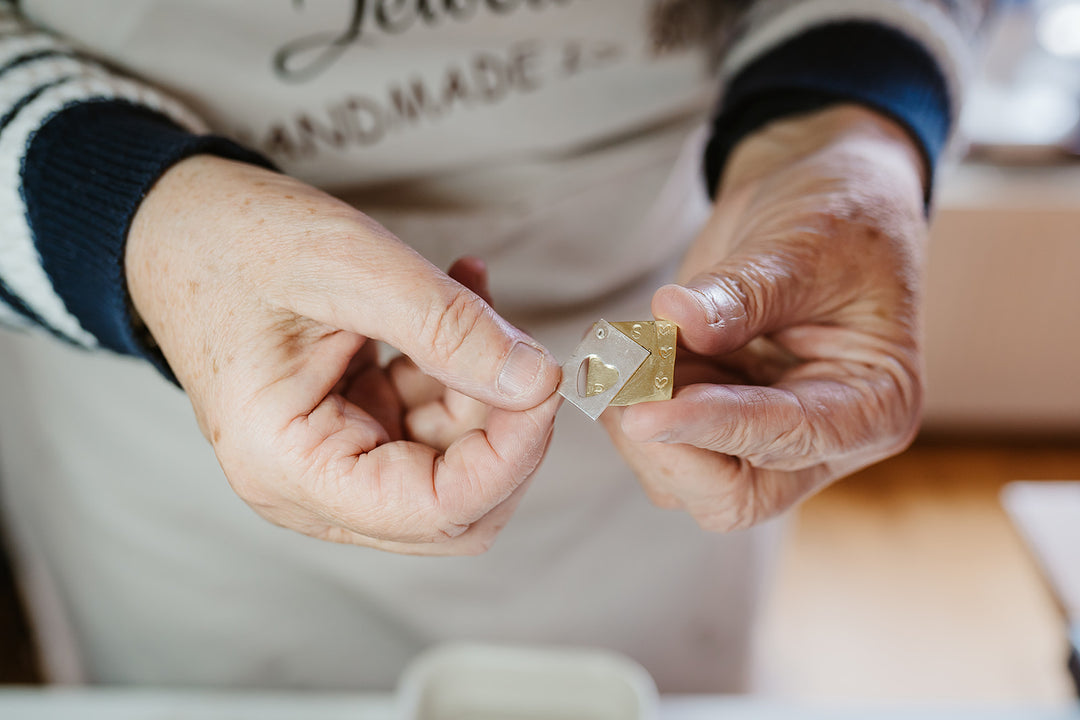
(599, 377)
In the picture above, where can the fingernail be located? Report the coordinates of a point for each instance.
(662, 436)
(520, 371)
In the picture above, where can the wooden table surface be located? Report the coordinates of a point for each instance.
(908, 582)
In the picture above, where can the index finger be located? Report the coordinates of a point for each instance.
(407, 492)
(867, 403)
(483, 467)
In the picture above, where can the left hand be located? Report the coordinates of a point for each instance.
(800, 306)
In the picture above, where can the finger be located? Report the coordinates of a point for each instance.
(452, 414)
(722, 493)
(824, 412)
(434, 415)
(397, 296)
(762, 361)
(412, 385)
(742, 298)
(481, 535)
(437, 424)
(336, 429)
(477, 539)
(482, 468)
(438, 416)
(472, 273)
(642, 457)
(366, 385)
(406, 492)
(293, 374)
(691, 369)
(740, 420)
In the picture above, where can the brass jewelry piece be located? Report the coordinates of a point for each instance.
(621, 363)
(654, 379)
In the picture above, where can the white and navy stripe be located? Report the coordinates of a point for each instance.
(79, 148)
(40, 76)
(908, 59)
(943, 30)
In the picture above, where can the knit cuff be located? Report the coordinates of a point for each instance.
(85, 172)
(849, 62)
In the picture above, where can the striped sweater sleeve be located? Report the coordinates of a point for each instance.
(79, 148)
(908, 59)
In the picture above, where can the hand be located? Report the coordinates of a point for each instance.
(800, 308)
(265, 296)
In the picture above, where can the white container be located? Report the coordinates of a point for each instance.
(502, 682)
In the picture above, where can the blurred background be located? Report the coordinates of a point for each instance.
(909, 581)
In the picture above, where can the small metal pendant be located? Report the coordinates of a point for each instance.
(656, 376)
(621, 364)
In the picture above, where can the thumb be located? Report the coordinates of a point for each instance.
(721, 310)
(453, 335)
(472, 273)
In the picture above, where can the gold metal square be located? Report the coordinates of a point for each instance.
(656, 376)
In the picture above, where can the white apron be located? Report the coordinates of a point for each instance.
(140, 563)
(142, 566)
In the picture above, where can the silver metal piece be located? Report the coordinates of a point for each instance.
(604, 344)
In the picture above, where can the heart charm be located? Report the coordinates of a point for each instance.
(600, 377)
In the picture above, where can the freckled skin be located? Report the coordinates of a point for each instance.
(799, 316)
(264, 295)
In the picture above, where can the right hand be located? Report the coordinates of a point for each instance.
(265, 296)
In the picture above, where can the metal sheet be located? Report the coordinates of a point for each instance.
(605, 350)
(656, 376)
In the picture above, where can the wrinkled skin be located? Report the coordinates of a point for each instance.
(265, 296)
(798, 307)
(799, 314)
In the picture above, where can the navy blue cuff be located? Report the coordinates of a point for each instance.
(84, 174)
(847, 62)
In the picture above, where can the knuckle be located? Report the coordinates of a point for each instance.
(903, 441)
(767, 286)
(750, 402)
(267, 495)
(481, 544)
(334, 534)
(744, 289)
(733, 506)
(762, 426)
(460, 504)
(446, 532)
(448, 324)
(663, 499)
(906, 429)
(753, 284)
(717, 522)
(899, 396)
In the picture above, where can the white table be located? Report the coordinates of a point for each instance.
(97, 704)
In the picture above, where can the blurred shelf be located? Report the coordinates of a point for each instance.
(1002, 330)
